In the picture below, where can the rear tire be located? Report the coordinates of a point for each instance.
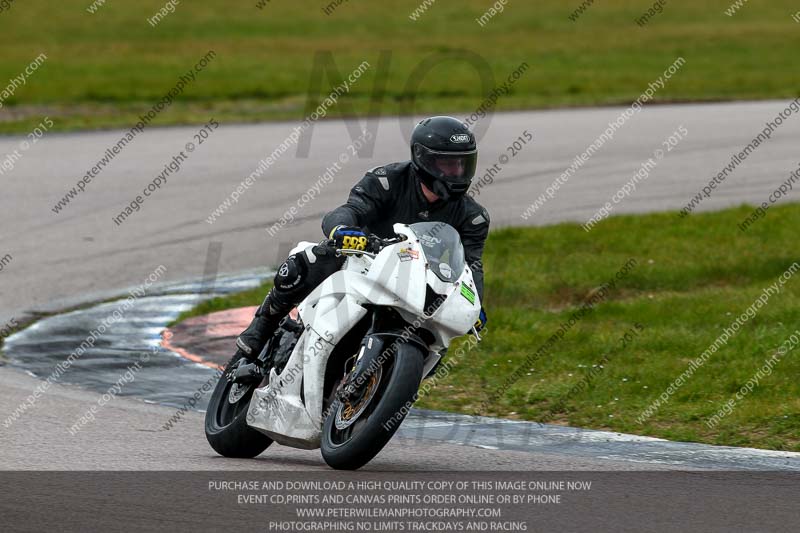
(226, 424)
(399, 383)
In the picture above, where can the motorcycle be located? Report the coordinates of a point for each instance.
(342, 375)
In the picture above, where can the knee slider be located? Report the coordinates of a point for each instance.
(290, 274)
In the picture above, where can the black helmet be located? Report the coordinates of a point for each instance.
(444, 155)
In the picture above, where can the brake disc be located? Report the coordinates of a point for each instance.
(351, 408)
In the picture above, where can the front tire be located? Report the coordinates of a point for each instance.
(354, 446)
(226, 422)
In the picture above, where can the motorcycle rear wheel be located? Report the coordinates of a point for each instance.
(226, 421)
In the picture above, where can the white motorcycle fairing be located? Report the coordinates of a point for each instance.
(290, 408)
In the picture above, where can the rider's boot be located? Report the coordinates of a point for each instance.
(253, 339)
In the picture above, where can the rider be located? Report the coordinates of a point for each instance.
(430, 187)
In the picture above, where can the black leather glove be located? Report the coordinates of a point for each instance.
(349, 238)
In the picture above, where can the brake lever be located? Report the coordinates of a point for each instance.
(348, 251)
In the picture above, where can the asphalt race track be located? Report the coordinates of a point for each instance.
(80, 255)
(132, 347)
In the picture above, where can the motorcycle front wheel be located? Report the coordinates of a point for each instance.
(356, 430)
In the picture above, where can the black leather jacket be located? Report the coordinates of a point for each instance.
(391, 193)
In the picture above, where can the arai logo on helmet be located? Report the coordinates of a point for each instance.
(460, 138)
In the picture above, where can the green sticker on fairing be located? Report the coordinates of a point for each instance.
(467, 293)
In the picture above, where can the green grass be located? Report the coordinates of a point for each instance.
(232, 301)
(104, 69)
(692, 278)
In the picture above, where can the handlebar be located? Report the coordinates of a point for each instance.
(374, 245)
(377, 243)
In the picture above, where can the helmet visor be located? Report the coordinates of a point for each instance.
(456, 169)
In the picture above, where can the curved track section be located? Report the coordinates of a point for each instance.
(79, 254)
(169, 379)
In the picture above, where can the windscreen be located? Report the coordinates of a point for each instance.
(442, 247)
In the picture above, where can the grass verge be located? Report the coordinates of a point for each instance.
(230, 301)
(104, 69)
(689, 279)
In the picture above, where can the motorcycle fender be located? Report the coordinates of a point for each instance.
(376, 349)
